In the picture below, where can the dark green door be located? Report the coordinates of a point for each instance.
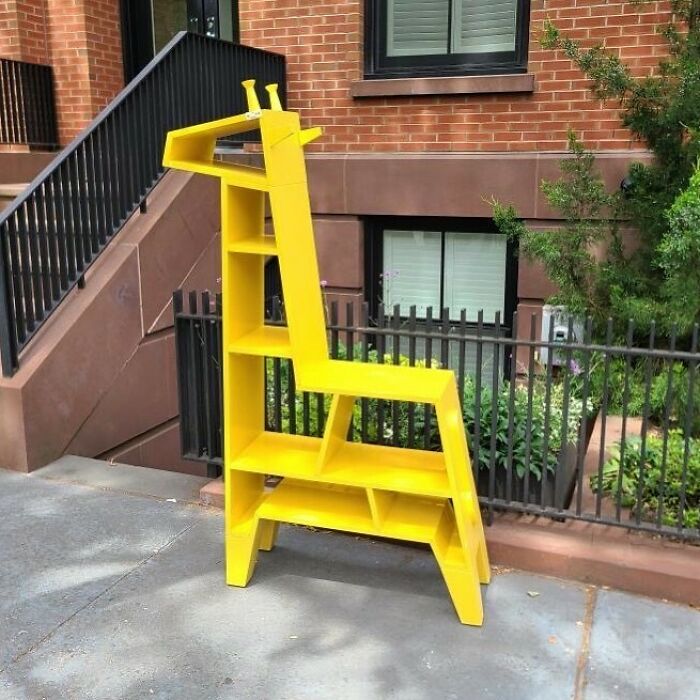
(147, 26)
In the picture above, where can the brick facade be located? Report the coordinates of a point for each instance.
(23, 30)
(323, 42)
(85, 43)
(80, 39)
(446, 154)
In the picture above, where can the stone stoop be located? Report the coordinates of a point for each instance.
(99, 379)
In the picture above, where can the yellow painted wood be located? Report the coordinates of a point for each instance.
(337, 426)
(327, 482)
(260, 245)
(269, 341)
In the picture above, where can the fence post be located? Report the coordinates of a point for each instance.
(8, 346)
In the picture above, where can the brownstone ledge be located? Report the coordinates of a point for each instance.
(452, 85)
(595, 554)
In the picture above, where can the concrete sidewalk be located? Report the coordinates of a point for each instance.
(105, 593)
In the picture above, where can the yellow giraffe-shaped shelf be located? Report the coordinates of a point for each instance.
(390, 492)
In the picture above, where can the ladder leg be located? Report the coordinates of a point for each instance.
(268, 534)
(242, 552)
(242, 526)
(483, 566)
(462, 581)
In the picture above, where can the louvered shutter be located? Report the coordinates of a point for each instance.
(483, 26)
(417, 27)
(475, 274)
(411, 272)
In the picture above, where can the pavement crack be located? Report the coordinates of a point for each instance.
(94, 599)
(584, 652)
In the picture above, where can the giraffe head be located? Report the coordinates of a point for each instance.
(283, 141)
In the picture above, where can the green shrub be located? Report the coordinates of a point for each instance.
(657, 280)
(656, 373)
(650, 485)
(540, 454)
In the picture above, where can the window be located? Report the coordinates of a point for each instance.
(456, 264)
(446, 37)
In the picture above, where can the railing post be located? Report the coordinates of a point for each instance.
(8, 347)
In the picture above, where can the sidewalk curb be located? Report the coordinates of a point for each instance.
(600, 555)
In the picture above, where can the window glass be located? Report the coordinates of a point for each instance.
(438, 37)
(483, 26)
(417, 27)
(411, 270)
(475, 274)
(169, 18)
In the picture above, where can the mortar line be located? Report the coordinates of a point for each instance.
(580, 679)
(88, 603)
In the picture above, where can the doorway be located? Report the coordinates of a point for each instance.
(148, 26)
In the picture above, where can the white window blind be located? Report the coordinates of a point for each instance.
(475, 274)
(483, 26)
(421, 27)
(417, 27)
(411, 272)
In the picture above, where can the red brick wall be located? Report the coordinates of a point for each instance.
(23, 30)
(9, 35)
(85, 49)
(322, 40)
(81, 39)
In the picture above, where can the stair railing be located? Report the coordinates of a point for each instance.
(56, 229)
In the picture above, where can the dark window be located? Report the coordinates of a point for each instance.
(442, 263)
(446, 37)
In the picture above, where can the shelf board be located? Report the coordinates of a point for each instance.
(263, 245)
(301, 503)
(360, 465)
(270, 341)
(280, 454)
(232, 173)
(410, 518)
(417, 472)
(381, 381)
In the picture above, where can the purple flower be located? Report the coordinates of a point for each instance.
(575, 368)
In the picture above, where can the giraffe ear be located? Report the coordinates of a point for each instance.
(309, 135)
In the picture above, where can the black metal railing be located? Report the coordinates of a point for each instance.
(198, 351)
(600, 432)
(52, 233)
(27, 105)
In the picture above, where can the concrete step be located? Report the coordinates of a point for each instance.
(8, 192)
(124, 478)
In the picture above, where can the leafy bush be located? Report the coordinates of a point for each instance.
(655, 373)
(540, 454)
(649, 484)
(658, 279)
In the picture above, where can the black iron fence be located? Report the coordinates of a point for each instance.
(51, 235)
(27, 106)
(562, 427)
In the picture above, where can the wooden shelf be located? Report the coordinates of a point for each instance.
(270, 341)
(263, 245)
(280, 454)
(416, 472)
(391, 382)
(346, 508)
(239, 175)
(360, 465)
(315, 506)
